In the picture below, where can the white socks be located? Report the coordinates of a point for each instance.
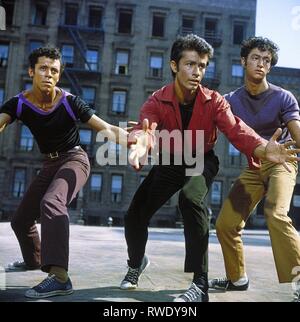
(241, 281)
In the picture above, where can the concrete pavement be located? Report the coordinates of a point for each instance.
(98, 264)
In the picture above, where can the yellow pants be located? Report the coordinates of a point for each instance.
(276, 184)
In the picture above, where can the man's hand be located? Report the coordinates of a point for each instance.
(143, 140)
(280, 153)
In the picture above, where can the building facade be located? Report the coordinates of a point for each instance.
(116, 54)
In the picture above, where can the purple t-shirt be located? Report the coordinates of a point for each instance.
(266, 111)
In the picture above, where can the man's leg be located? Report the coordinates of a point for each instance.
(23, 221)
(196, 229)
(70, 177)
(71, 174)
(284, 237)
(245, 194)
(160, 184)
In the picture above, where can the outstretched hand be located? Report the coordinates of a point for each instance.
(280, 153)
(144, 140)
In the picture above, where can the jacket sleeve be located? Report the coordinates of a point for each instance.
(244, 138)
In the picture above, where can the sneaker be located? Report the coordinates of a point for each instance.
(296, 296)
(19, 266)
(226, 285)
(193, 294)
(50, 286)
(131, 279)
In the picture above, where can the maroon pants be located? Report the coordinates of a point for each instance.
(47, 198)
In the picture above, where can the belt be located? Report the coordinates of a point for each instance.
(56, 154)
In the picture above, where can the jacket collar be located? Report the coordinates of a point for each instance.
(167, 93)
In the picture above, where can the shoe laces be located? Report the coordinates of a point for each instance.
(46, 282)
(132, 275)
(296, 296)
(221, 282)
(192, 293)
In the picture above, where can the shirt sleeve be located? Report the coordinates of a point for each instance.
(289, 108)
(237, 132)
(10, 108)
(81, 109)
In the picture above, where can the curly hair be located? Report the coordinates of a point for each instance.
(190, 42)
(263, 44)
(50, 52)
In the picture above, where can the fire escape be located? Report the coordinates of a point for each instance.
(81, 67)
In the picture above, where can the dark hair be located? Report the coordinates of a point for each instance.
(50, 52)
(263, 44)
(190, 42)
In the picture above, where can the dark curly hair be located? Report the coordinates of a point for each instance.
(190, 42)
(263, 44)
(50, 52)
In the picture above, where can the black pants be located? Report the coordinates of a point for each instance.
(160, 184)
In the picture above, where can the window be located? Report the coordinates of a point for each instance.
(3, 55)
(114, 148)
(71, 12)
(86, 139)
(95, 17)
(1, 95)
(67, 52)
(237, 73)
(210, 70)
(8, 5)
(156, 64)
(158, 25)
(210, 27)
(26, 139)
(34, 44)
(187, 25)
(116, 188)
(122, 62)
(119, 102)
(19, 182)
(238, 33)
(125, 21)
(27, 86)
(88, 95)
(216, 193)
(92, 58)
(95, 187)
(39, 14)
(235, 155)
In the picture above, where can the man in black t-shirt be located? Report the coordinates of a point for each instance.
(50, 113)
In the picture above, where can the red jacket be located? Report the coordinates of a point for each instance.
(211, 112)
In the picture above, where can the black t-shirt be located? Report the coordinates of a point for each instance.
(54, 130)
(186, 112)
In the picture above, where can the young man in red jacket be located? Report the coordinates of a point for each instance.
(186, 105)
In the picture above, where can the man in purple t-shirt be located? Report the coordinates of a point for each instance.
(264, 107)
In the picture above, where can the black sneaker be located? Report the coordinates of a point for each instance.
(296, 296)
(131, 279)
(193, 294)
(226, 285)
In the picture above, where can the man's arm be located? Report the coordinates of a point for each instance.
(294, 128)
(4, 120)
(113, 133)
